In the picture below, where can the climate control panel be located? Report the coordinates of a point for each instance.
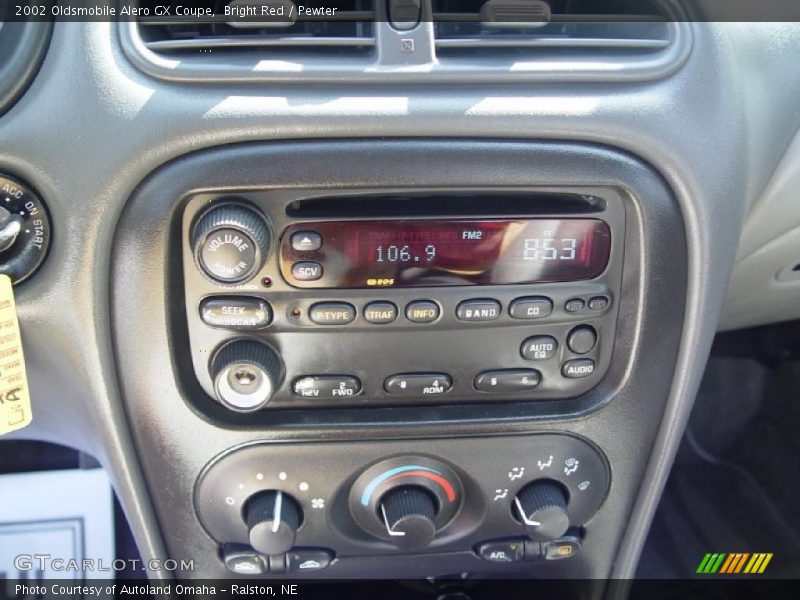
(370, 311)
(492, 501)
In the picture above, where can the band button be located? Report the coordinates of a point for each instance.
(478, 310)
(332, 313)
(380, 313)
(422, 311)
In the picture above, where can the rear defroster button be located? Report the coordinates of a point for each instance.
(418, 384)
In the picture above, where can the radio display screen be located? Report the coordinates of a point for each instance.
(406, 253)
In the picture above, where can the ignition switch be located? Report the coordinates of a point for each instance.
(24, 229)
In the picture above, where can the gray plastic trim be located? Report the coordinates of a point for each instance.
(392, 65)
(22, 48)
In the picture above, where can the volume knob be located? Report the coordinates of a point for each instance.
(231, 243)
(246, 373)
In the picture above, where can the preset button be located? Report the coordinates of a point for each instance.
(507, 380)
(418, 384)
(332, 313)
(326, 386)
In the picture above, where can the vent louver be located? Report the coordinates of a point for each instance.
(349, 31)
(564, 28)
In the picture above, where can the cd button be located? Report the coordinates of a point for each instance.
(326, 386)
(507, 381)
(306, 241)
(422, 311)
(577, 368)
(478, 310)
(380, 312)
(332, 313)
(539, 347)
(535, 307)
(418, 384)
(306, 271)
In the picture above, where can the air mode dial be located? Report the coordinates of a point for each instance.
(231, 243)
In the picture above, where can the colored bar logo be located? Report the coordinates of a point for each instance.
(734, 563)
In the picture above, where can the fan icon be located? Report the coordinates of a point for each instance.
(317, 503)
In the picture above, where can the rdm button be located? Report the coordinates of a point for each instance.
(332, 313)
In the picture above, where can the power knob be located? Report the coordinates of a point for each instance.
(542, 508)
(231, 243)
(246, 374)
(272, 519)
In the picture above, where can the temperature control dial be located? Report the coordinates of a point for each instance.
(272, 519)
(409, 513)
(406, 500)
(541, 507)
(231, 243)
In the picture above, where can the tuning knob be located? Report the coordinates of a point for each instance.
(272, 518)
(246, 373)
(231, 243)
(542, 507)
(408, 513)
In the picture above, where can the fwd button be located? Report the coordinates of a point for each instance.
(326, 386)
(418, 384)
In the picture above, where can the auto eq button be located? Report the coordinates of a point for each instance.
(326, 386)
(332, 313)
(418, 384)
(478, 310)
(539, 347)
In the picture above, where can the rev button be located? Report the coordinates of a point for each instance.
(418, 384)
(332, 313)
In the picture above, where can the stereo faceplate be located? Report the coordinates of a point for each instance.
(407, 345)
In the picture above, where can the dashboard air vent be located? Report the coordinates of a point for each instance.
(538, 30)
(329, 27)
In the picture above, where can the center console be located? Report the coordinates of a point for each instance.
(398, 358)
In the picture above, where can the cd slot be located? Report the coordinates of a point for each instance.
(447, 204)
